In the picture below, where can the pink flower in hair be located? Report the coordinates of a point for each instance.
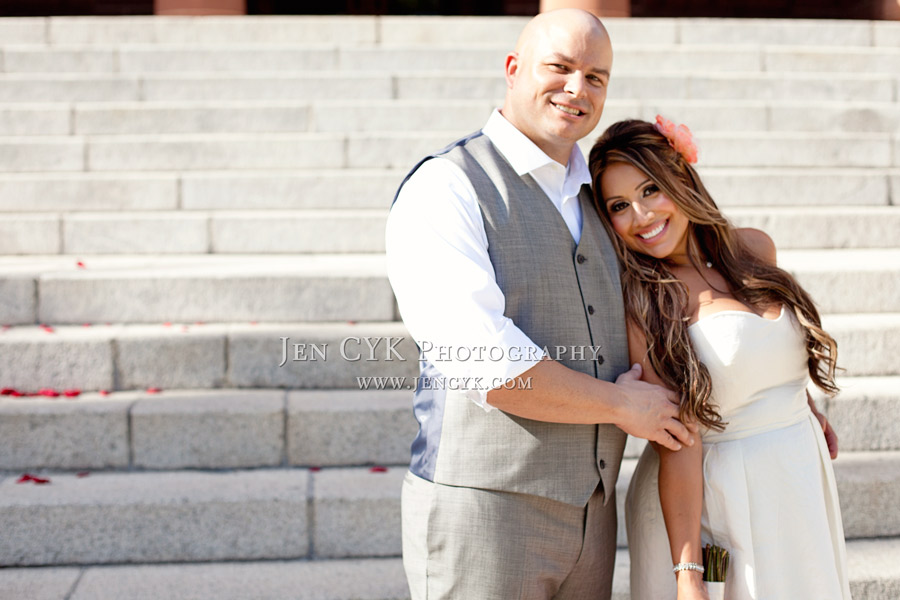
(680, 138)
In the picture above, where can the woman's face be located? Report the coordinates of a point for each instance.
(645, 218)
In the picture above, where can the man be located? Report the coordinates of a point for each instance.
(506, 278)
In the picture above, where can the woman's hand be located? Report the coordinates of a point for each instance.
(691, 586)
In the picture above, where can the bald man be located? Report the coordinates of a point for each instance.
(508, 282)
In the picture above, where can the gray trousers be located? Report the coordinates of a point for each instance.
(470, 544)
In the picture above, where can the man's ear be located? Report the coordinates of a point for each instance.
(512, 68)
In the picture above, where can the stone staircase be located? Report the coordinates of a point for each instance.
(178, 195)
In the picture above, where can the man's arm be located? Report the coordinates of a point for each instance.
(561, 395)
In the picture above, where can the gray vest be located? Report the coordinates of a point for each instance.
(560, 295)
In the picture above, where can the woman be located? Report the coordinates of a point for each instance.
(710, 315)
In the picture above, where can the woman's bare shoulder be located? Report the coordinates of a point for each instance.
(759, 243)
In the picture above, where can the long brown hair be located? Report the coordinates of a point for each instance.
(656, 301)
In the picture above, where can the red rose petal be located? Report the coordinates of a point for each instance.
(29, 477)
(167, 324)
(378, 469)
(7, 327)
(85, 324)
(153, 390)
(254, 322)
(47, 328)
(48, 392)
(104, 392)
(80, 265)
(17, 394)
(7, 392)
(199, 323)
(72, 393)
(351, 322)
(315, 469)
(83, 474)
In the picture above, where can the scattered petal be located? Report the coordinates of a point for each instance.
(378, 469)
(315, 469)
(85, 324)
(72, 393)
(254, 322)
(167, 324)
(48, 392)
(29, 477)
(351, 322)
(47, 328)
(104, 392)
(7, 392)
(83, 474)
(80, 265)
(17, 394)
(153, 390)
(199, 323)
(7, 327)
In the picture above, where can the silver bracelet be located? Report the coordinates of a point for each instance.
(688, 566)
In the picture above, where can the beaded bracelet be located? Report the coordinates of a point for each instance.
(688, 566)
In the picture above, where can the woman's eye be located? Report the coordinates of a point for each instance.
(649, 190)
(617, 206)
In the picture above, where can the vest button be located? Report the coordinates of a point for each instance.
(580, 258)
(590, 309)
(600, 360)
(602, 464)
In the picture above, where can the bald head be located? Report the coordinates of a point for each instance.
(556, 79)
(573, 21)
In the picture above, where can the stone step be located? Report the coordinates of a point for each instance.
(399, 150)
(191, 516)
(455, 116)
(221, 429)
(374, 188)
(232, 288)
(858, 413)
(207, 429)
(807, 32)
(362, 230)
(148, 289)
(873, 570)
(247, 355)
(360, 579)
(630, 58)
(202, 356)
(350, 31)
(437, 84)
(321, 188)
(188, 232)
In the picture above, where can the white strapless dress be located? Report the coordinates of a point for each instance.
(769, 494)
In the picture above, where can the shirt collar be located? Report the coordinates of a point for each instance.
(524, 156)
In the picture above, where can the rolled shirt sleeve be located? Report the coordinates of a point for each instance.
(446, 288)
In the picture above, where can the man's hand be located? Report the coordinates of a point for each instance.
(830, 436)
(651, 412)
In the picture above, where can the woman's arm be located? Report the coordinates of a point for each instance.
(680, 488)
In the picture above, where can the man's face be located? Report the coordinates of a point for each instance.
(557, 86)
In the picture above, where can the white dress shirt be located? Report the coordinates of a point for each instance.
(439, 267)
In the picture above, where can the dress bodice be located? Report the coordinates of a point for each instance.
(758, 368)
